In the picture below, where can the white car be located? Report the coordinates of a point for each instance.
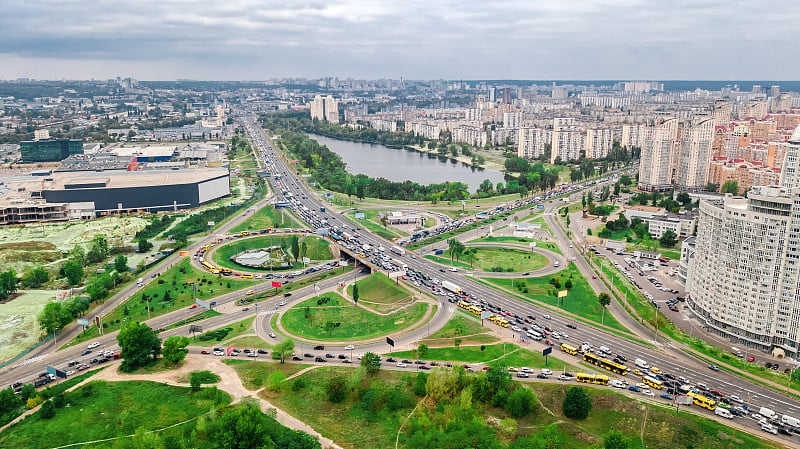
(564, 377)
(525, 369)
(547, 372)
(94, 344)
(272, 335)
(401, 365)
(349, 348)
(282, 303)
(648, 393)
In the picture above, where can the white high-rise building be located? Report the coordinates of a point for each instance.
(694, 156)
(599, 142)
(532, 142)
(512, 119)
(657, 161)
(790, 174)
(567, 142)
(325, 109)
(743, 279)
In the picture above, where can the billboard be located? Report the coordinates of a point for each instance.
(83, 321)
(540, 206)
(56, 372)
(390, 341)
(547, 351)
(485, 315)
(183, 253)
(683, 400)
(563, 293)
(359, 215)
(229, 349)
(276, 284)
(202, 303)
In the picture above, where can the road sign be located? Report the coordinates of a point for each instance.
(540, 206)
(323, 231)
(563, 293)
(547, 351)
(485, 315)
(306, 260)
(83, 321)
(683, 400)
(359, 215)
(202, 303)
(390, 341)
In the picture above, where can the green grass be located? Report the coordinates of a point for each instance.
(255, 372)
(461, 326)
(204, 315)
(374, 227)
(450, 234)
(266, 218)
(580, 299)
(356, 323)
(206, 377)
(109, 409)
(381, 293)
(520, 241)
(178, 281)
(447, 262)
(318, 250)
(498, 259)
(507, 354)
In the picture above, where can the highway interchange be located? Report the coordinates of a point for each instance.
(666, 357)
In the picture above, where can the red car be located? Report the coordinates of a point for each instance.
(205, 351)
(751, 358)
(594, 277)
(193, 306)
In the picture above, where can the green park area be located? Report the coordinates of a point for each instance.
(495, 259)
(380, 406)
(263, 372)
(171, 291)
(313, 247)
(550, 246)
(506, 354)
(463, 327)
(268, 218)
(380, 293)
(372, 222)
(102, 410)
(331, 317)
(580, 300)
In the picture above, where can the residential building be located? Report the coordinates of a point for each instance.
(695, 155)
(744, 278)
(657, 161)
(567, 141)
(683, 224)
(325, 109)
(532, 142)
(599, 142)
(790, 178)
(471, 135)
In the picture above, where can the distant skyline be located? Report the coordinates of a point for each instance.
(413, 39)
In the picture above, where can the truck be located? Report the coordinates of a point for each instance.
(641, 364)
(790, 421)
(767, 413)
(723, 412)
(397, 250)
(737, 352)
(447, 285)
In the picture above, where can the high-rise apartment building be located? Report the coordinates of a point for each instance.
(695, 155)
(325, 109)
(790, 175)
(599, 142)
(532, 142)
(657, 161)
(567, 142)
(512, 119)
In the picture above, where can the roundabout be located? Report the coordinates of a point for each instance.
(266, 253)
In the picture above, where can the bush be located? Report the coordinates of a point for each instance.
(577, 403)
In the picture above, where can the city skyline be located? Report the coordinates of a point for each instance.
(588, 39)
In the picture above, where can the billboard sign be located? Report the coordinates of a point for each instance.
(485, 315)
(83, 321)
(202, 303)
(359, 215)
(56, 372)
(683, 400)
(540, 206)
(547, 351)
(229, 349)
(563, 293)
(390, 341)
(276, 284)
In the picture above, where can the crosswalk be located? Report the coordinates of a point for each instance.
(267, 312)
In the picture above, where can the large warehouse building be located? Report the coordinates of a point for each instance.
(75, 195)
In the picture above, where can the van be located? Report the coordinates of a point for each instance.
(790, 421)
(641, 364)
(719, 411)
(767, 413)
(454, 269)
(737, 352)
(247, 276)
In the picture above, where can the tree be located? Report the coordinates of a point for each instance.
(241, 427)
(196, 380)
(283, 350)
(121, 264)
(615, 440)
(35, 277)
(48, 410)
(422, 349)
(8, 283)
(355, 293)
(144, 246)
(577, 403)
(139, 344)
(568, 284)
(420, 383)
(336, 389)
(54, 317)
(371, 362)
(442, 384)
(99, 249)
(295, 244)
(604, 299)
(73, 271)
(730, 186)
(668, 239)
(175, 349)
(520, 403)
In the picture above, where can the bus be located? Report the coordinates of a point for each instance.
(463, 304)
(598, 379)
(571, 350)
(653, 382)
(605, 363)
(702, 401)
(211, 268)
(474, 309)
(245, 276)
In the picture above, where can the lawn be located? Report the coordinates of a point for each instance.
(178, 282)
(521, 241)
(318, 250)
(108, 409)
(315, 321)
(497, 260)
(462, 326)
(204, 315)
(381, 293)
(389, 233)
(254, 373)
(580, 299)
(507, 354)
(266, 218)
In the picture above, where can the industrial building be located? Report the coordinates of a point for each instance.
(49, 150)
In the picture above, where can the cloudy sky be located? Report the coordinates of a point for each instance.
(415, 39)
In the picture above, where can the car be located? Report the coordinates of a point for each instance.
(205, 351)
(756, 416)
(634, 388)
(594, 277)
(547, 317)
(713, 367)
(297, 358)
(245, 309)
(717, 393)
(769, 429)
(564, 377)
(571, 326)
(525, 375)
(307, 355)
(349, 348)
(402, 365)
(541, 376)
(391, 360)
(319, 360)
(262, 351)
(93, 344)
(319, 348)
(649, 393)
(638, 372)
(329, 356)
(193, 306)
(251, 292)
(272, 335)
(86, 352)
(751, 358)
(666, 396)
(643, 386)
(347, 361)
